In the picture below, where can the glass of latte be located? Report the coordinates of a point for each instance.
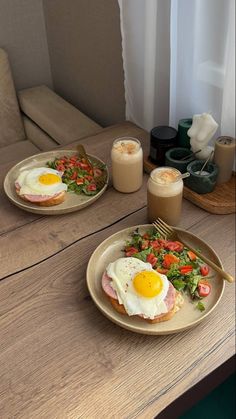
(164, 195)
(127, 164)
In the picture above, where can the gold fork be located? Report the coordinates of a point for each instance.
(100, 181)
(169, 233)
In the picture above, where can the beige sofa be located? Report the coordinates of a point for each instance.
(37, 120)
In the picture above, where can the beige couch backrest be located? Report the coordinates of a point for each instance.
(11, 125)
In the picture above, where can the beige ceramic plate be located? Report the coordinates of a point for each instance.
(111, 249)
(72, 201)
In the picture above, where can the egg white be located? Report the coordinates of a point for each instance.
(29, 183)
(122, 272)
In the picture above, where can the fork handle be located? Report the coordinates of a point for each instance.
(216, 268)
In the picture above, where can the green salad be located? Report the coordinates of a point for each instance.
(182, 267)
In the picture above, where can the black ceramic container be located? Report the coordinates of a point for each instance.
(162, 138)
(201, 183)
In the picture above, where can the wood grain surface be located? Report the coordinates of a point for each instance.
(60, 357)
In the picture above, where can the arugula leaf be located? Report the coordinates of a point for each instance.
(142, 255)
(200, 306)
(173, 271)
(193, 283)
(179, 284)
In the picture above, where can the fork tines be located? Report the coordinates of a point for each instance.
(162, 228)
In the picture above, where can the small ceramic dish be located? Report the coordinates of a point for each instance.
(205, 182)
(173, 158)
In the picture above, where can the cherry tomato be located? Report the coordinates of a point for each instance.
(204, 270)
(97, 172)
(155, 244)
(174, 246)
(80, 181)
(91, 187)
(129, 251)
(60, 167)
(191, 255)
(151, 258)
(204, 288)
(185, 269)
(74, 175)
(145, 244)
(169, 259)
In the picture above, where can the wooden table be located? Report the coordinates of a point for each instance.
(59, 356)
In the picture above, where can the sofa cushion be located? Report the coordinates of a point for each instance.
(58, 118)
(17, 151)
(37, 136)
(11, 126)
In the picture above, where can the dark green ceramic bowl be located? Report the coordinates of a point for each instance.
(173, 158)
(201, 183)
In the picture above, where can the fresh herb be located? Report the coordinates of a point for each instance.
(200, 306)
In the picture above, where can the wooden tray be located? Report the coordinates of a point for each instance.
(220, 201)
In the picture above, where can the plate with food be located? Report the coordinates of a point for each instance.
(56, 182)
(153, 286)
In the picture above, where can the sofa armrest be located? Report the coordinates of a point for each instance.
(58, 118)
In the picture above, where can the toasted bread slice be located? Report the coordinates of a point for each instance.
(179, 301)
(53, 200)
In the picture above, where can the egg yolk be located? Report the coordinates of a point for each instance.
(148, 284)
(49, 179)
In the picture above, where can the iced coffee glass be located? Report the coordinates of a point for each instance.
(127, 164)
(164, 195)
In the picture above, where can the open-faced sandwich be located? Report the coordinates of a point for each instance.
(154, 278)
(134, 288)
(41, 186)
(47, 186)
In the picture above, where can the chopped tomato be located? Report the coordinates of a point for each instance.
(97, 172)
(145, 244)
(155, 244)
(74, 175)
(191, 255)
(80, 181)
(204, 270)
(169, 259)
(162, 242)
(91, 187)
(88, 177)
(84, 166)
(130, 251)
(146, 236)
(162, 270)
(174, 246)
(60, 167)
(185, 269)
(151, 258)
(204, 288)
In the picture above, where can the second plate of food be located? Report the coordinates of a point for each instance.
(188, 316)
(72, 202)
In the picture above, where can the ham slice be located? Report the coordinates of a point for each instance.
(40, 198)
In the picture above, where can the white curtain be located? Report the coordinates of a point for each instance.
(145, 37)
(200, 75)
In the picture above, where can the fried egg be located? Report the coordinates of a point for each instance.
(40, 181)
(139, 288)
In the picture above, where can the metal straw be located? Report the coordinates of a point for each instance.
(190, 155)
(207, 160)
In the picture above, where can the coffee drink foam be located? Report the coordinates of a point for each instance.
(165, 181)
(126, 151)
